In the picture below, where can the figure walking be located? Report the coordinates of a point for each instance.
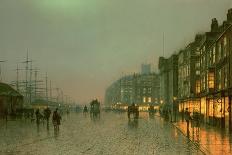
(38, 116)
(187, 118)
(47, 114)
(56, 119)
(85, 110)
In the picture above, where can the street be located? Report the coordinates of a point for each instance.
(112, 133)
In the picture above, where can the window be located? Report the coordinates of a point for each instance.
(224, 46)
(198, 64)
(198, 88)
(144, 99)
(149, 99)
(219, 80)
(203, 82)
(211, 80)
(213, 55)
(144, 90)
(225, 78)
(149, 90)
(219, 51)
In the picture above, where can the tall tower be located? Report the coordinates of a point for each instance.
(145, 68)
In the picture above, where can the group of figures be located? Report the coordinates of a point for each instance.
(134, 110)
(56, 117)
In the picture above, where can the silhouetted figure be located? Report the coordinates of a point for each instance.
(38, 116)
(56, 119)
(47, 114)
(151, 111)
(187, 119)
(85, 110)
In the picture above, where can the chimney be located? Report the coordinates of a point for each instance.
(214, 25)
(229, 16)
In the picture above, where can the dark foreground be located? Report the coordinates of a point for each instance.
(111, 134)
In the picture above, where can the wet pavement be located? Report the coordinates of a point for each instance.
(211, 140)
(110, 134)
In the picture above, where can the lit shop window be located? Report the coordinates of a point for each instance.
(203, 105)
(211, 80)
(144, 99)
(149, 99)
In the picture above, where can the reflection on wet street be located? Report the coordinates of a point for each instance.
(211, 140)
(112, 133)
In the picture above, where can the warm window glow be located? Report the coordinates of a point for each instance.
(198, 87)
(203, 105)
(149, 99)
(211, 80)
(144, 99)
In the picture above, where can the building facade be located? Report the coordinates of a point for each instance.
(141, 89)
(169, 83)
(204, 75)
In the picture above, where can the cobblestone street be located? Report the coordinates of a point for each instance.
(111, 134)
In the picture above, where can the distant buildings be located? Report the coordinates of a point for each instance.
(141, 89)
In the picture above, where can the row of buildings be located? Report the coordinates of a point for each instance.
(141, 89)
(199, 77)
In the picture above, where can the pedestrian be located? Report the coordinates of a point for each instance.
(37, 115)
(56, 119)
(85, 110)
(47, 114)
(187, 119)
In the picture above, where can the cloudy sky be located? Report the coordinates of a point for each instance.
(84, 45)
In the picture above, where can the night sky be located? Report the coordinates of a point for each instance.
(85, 45)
